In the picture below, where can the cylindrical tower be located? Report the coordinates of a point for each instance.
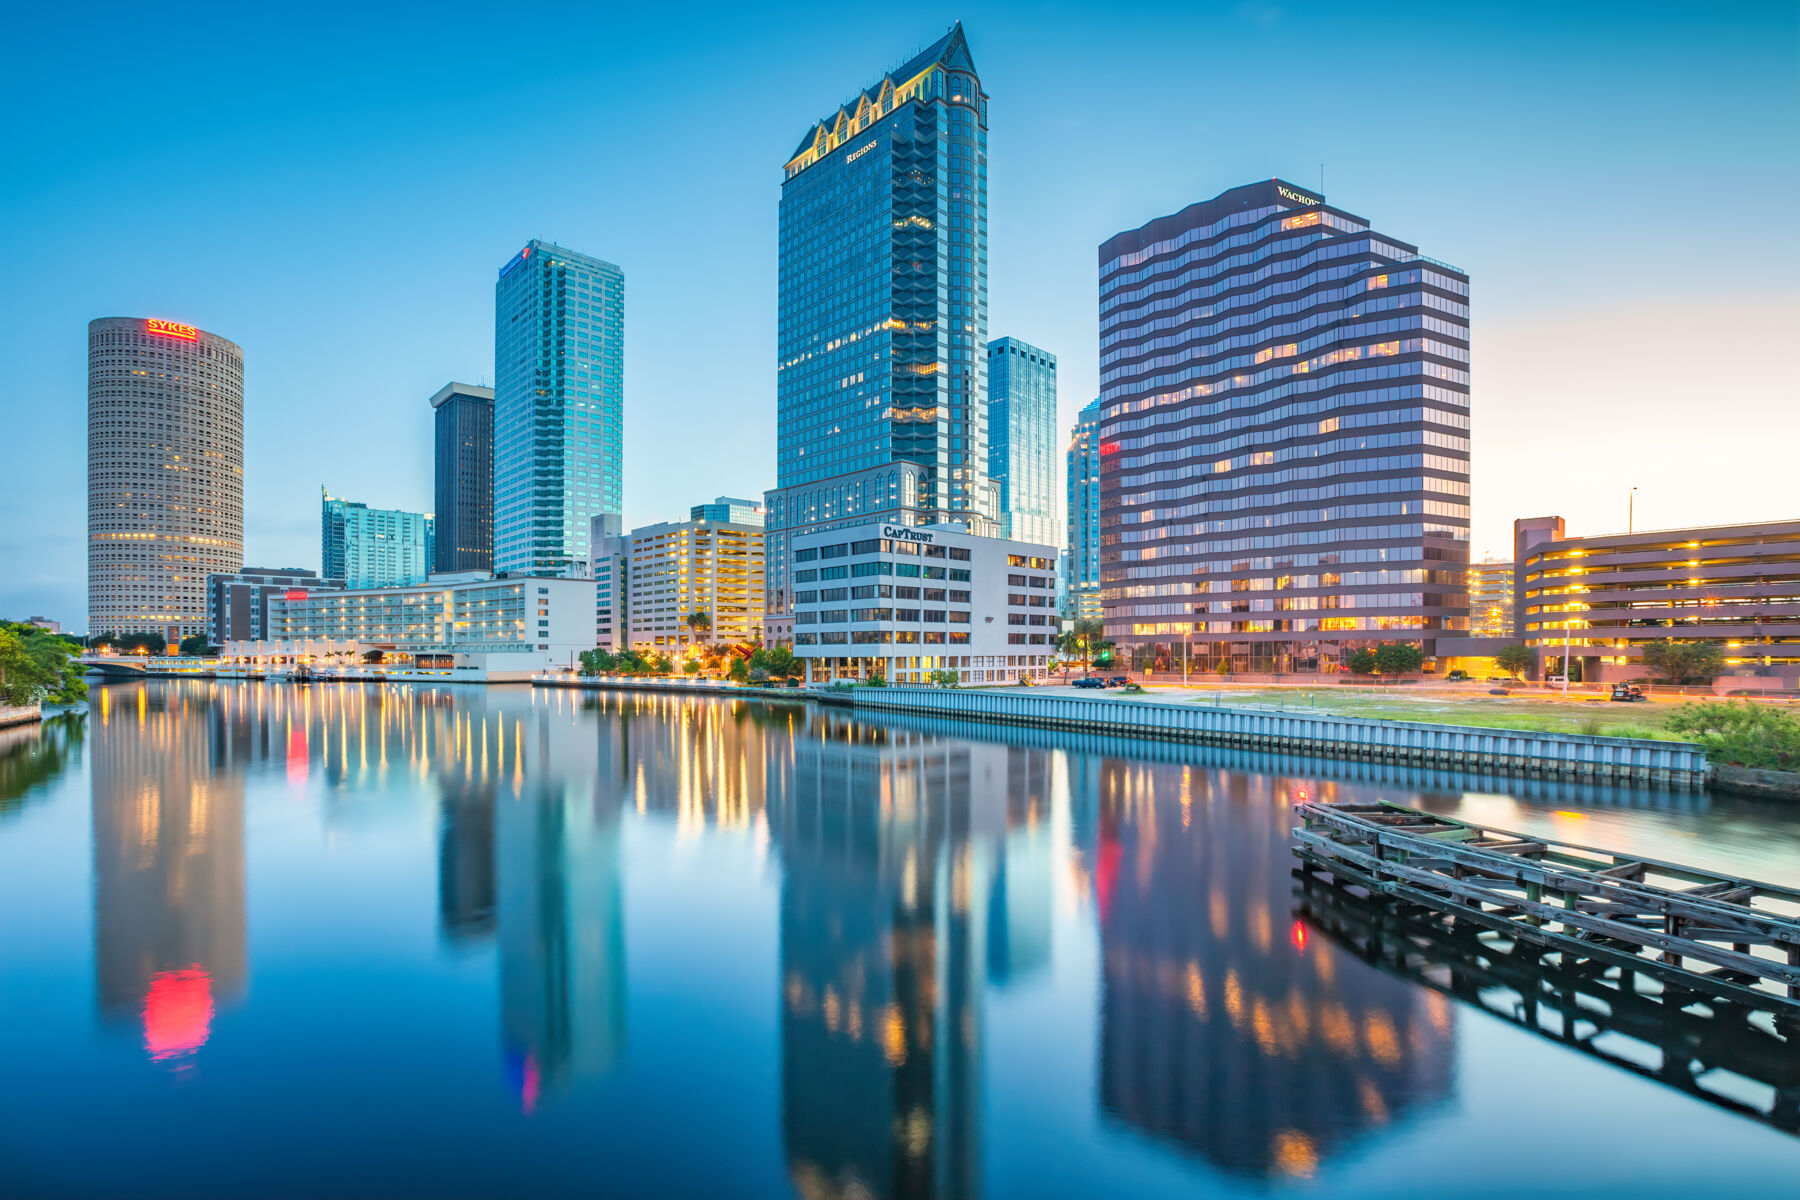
(165, 473)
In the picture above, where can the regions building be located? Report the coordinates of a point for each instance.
(237, 604)
(463, 417)
(1284, 436)
(1022, 439)
(559, 399)
(902, 601)
(659, 576)
(1490, 599)
(881, 390)
(474, 625)
(373, 547)
(1081, 558)
(165, 455)
(1609, 596)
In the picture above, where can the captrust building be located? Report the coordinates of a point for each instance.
(902, 601)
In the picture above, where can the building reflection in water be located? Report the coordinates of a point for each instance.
(1224, 1027)
(888, 843)
(168, 831)
(35, 754)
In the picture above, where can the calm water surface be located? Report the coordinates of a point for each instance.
(260, 940)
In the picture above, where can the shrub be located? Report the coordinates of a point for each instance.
(1515, 659)
(1742, 732)
(876, 680)
(1361, 661)
(944, 678)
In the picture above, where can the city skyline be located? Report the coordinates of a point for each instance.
(1650, 332)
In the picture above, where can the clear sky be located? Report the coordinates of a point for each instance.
(335, 188)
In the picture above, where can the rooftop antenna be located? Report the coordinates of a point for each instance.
(1321, 179)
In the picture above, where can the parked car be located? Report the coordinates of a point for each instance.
(1457, 675)
(1628, 692)
(1089, 682)
(1118, 681)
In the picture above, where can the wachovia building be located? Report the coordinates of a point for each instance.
(165, 473)
(1284, 436)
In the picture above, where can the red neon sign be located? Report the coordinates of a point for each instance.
(186, 333)
(295, 594)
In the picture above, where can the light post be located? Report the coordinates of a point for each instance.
(1184, 658)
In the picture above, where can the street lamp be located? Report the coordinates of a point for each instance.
(1184, 657)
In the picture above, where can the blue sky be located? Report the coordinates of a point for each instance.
(335, 188)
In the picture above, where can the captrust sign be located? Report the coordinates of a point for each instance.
(901, 533)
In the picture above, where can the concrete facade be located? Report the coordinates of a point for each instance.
(237, 605)
(678, 568)
(902, 601)
(165, 456)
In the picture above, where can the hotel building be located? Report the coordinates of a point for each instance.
(1022, 439)
(478, 626)
(1610, 596)
(373, 547)
(1284, 435)
(1081, 559)
(1491, 599)
(237, 605)
(559, 370)
(881, 391)
(463, 420)
(902, 601)
(165, 428)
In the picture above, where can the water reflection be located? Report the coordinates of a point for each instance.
(170, 945)
(915, 879)
(33, 755)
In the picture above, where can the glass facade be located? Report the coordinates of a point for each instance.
(1284, 436)
(463, 417)
(559, 326)
(1491, 599)
(1022, 439)
(882, 322)
(374, 547)
(1081, 558)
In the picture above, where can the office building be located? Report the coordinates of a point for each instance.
(373, 547)
(903, 601)
(165, 473)
(463, 421)
(559, 406)
(609, 566)
(1081, 559)
(1285, 434)
(1491, 599)
(1606, 598)
(45, 623)
(730, 509)
(881, 390)
(673, 570)
(237, 605)
(474, 627)
(1022, 440)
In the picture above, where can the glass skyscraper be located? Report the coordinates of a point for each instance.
(374, 547)
(1284, 436)
(881, 394)
(1081, 558)
(463, 416)
(559, 335)
(1022, 439)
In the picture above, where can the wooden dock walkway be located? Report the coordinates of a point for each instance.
(1659, 929)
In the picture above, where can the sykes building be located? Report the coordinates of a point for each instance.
(903, 601)
(881, 392)
(1284, 436)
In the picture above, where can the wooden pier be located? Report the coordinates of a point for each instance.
(1653, 928)
(1709, 1051)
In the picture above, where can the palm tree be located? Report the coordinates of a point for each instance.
(1085, 634)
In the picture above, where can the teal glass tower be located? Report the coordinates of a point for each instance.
(374, 547)
(1022, 440)
(1081, 558)
(559, 399)
(881, 390)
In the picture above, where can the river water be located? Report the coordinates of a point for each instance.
(344, 940)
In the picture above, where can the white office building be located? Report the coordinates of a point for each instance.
(903, 601)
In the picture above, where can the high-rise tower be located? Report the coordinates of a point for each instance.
(464, 418)
(1081, 557)
(881, 396)
(165, 473)
(1022, 439)
(1284, 436)
(559, 371)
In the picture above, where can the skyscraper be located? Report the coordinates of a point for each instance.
(373, 547)
(165, 473)
(1022, 439)
(1284, 435)
(1081, 560)
(559, 371)
(464, 493)
(881, 394)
